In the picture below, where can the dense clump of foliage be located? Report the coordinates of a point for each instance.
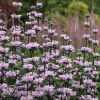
(39, 63)
(62, 6)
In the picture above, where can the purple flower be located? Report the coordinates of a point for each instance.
(4, 38)
(48, 89)
(17, 4)
(66, 77)
(16, 32)
(15, 16)
(32, 45)
(16, 43)
(28, 66)
(2, 32)
(95, 31)
(50, 31)
(39, 5)
(38, 15)
(86, 24)
(49, 74)
(38, 80)
(69, 48)
(37, 93)
(4, 50)
(86, 36)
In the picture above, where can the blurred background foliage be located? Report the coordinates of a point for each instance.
(58, 8)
